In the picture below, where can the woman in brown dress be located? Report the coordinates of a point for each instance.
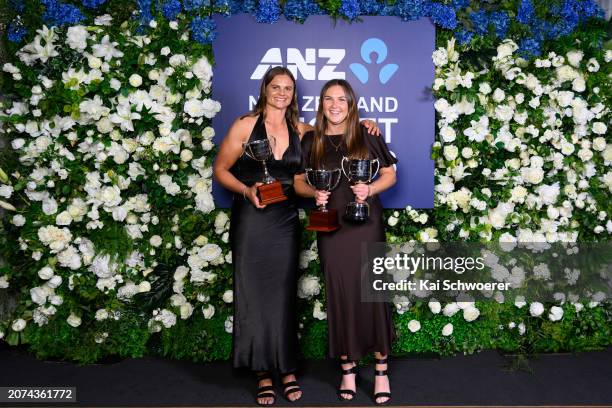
(355, 327)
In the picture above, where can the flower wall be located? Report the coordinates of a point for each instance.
(110, 236)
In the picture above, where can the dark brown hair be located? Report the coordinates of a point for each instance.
(292, 114)
(352, 135)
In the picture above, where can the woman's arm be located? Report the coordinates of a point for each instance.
(370, 126)
(386, 180)
(230, 151)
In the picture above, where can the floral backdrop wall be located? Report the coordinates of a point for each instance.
(111, 241)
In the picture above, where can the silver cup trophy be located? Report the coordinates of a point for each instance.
(272, 190)
(359, 171)
(323, 219)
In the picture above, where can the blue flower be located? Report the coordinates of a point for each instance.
(569, 17)
(145, 15)
(500, 22)
(480, 21)
(59, 14)
(526, 12)
(444, 16)
(370, 7)
(589, 8)
(294, 10)
(203, 30)
(463, 36)
(16, 31)
(171, 9)
(195, 4)
(92, 4)
(267, 12)
(350, 9)
(529, 47)
(311, 8)
(412, 9)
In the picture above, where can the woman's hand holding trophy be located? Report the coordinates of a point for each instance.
(270, 190)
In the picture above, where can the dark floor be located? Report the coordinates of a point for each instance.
(481, 379)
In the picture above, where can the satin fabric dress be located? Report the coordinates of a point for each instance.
(356, 328)
(265, 250)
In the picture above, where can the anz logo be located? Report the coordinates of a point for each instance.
(369, 47)
(321, 64)
(304, 64)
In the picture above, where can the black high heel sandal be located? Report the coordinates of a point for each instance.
(382, 394)
(266, 391)
(290, 387)
(352, 370)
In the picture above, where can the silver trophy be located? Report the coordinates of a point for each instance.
(323, 219)
(261, 150)
(359, 171)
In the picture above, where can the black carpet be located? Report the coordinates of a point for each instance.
(483, 379)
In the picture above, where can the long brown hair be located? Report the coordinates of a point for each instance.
(352, 135)
(292, 114)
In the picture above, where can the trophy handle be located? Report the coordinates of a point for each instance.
(307, 171)
(337, 180)
(344, 158)
(246, 149)
(377, 168)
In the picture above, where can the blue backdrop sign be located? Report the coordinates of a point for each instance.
(387, 61)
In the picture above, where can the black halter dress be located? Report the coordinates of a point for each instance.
(265, 250)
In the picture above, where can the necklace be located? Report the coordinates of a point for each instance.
(336, 147)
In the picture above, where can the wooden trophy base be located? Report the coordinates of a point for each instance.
(323, 221)
(271, 193)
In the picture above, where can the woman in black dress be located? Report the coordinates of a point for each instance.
(265, 238)
(355, 328)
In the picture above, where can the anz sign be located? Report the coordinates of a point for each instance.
(387, 62)
(312, 65)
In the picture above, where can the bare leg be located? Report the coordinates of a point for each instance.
(348, 380)
(381, 382)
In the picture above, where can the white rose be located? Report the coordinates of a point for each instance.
(556, 313)
(46, 273)
(63, 218)
(186, 155)
(536, 309)
(55, 281)
(101, 314)
(19, 220)
(135, 80)
(440, 57)
(308, 286)
(470, 314)
(447, 330)
(186, 310)
(73, 320)
(484, 88)
(448, 134)
(165, 51)
(578, 84)
(599, 128)
(450, 309)
(392, 221)
(435, 307)
(414, 326)
(574, 57)
(18, 325)
(451, 152)
(144, 286)
(38, 295)
(498, 95)
(592, 65)
(155, 241)
(208, 311)
(229, 324)
(4, 282)
(228, 296)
